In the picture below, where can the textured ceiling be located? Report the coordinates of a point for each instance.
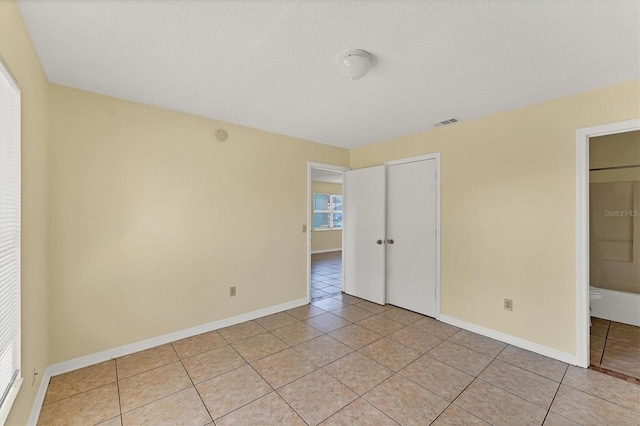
(272, 64)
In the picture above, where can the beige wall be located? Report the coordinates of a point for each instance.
(19, 54)
(153, 220)
(325, 240)
(508, 210)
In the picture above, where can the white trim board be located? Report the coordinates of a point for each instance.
(85, 361)
(326, 251)
(582, 228)
(5, 410)
(511, 340)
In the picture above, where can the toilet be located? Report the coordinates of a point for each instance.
(594, 294)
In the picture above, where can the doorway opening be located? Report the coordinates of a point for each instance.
(608, 230)
(614, 252)
(325, 231)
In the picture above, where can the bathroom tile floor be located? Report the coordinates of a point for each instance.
(615, 348)
(326, 275)
(338, 361)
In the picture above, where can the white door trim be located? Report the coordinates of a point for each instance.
(582, 228)
(323, 166)
(434, 156)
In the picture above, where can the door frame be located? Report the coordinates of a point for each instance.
(322, 166)
(582, 228)
(434, 156)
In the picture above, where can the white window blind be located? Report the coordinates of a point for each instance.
(10, 376)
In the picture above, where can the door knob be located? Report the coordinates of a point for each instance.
(379, 242)
(390, 241)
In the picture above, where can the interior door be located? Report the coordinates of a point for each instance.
(364, 233)
(411, 234)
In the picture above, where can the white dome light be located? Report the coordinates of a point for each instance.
(355, 64)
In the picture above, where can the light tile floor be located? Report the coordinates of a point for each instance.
(326, 275)
(615, 348)
(339, 361)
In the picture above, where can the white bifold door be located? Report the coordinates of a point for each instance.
(364, 228)
(390, 234)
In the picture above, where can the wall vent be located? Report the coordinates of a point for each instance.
(447, 122)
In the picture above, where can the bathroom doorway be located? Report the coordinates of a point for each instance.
(608, 248)
(614, 252)
(325, 230)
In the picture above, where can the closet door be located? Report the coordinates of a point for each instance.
(364, 232)
(411, 236)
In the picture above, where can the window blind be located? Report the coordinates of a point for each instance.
(9, 237)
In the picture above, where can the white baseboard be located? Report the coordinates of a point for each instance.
(42, 391)
(326, 251)
(618, 306)
(85, 361)
(515, 341)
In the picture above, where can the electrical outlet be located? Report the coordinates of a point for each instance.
(232, 291)
(33, 377)
(304, 229)
(508, 305)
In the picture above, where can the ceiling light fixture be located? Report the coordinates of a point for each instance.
(355, 64)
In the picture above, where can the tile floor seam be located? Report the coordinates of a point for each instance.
(118, 391)
(266, 356)
(158, 366)
(297, 378)
(452, 366)
(442, 412)
(358, 350)
(76, 394)
(360, 397)
(547, 410)
(79, 393)
(197, 391)
(400, 343)
(521, 397)
(525, 370)
(555, 395)
(290, 406)
(432, 334)
(422, 386)
(449, 403)
(155, 400)
(244, 338)
(321, 367)
(217, 375)
(529, 371)
(471, 382)
(596, 396)
(243, 405)
(352, 390)
(250, 402)
(120, 416)
(469, 412)
(151, 369)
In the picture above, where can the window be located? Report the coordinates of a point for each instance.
(327, 211)
(10, 377)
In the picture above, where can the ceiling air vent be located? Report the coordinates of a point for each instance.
(448, 122)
